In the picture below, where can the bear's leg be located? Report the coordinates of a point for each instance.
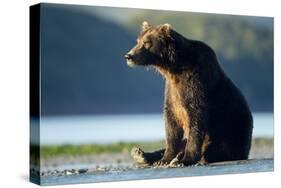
(146, 158)
(192, 153)
(174, 141)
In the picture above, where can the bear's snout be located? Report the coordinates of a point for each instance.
(128, 56)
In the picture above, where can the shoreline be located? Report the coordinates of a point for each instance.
(105, 174)
(119, 153)
(117, 159)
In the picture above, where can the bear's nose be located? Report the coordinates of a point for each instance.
(128, 56)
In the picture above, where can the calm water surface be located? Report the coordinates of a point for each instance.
(115, 128)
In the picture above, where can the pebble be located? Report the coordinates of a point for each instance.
(82, 171)
(69, 172)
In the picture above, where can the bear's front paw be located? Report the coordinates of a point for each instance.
(176, 162)
(162, 162)
(188, 161)
(202, 162)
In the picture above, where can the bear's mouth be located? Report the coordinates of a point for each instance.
(129, 60)
(131, 63)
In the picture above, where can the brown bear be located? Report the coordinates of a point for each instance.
(207, 119)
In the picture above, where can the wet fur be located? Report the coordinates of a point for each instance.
(206, 117)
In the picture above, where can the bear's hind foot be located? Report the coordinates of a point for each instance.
(139, 157)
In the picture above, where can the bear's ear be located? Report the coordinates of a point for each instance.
(166, 28)
(145, 26)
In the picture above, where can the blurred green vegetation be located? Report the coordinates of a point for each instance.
(120, 147)
(86, 149)
(265, 142)
(231, 36)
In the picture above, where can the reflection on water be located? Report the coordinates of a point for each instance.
(115, 128)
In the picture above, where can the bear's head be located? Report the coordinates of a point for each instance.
(154, 46)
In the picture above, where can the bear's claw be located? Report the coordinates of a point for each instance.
(160, 163)
(175, 163)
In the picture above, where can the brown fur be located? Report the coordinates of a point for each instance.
(206, 117)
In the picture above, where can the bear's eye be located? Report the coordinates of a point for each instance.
(147, 44)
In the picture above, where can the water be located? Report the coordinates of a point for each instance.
(248, 166)
(116, 128)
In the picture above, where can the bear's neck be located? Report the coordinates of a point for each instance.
(174, 76)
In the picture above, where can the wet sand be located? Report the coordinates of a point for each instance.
(121, 174)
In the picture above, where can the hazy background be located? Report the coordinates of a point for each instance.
(84, 72)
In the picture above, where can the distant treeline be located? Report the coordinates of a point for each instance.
(83, 70)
